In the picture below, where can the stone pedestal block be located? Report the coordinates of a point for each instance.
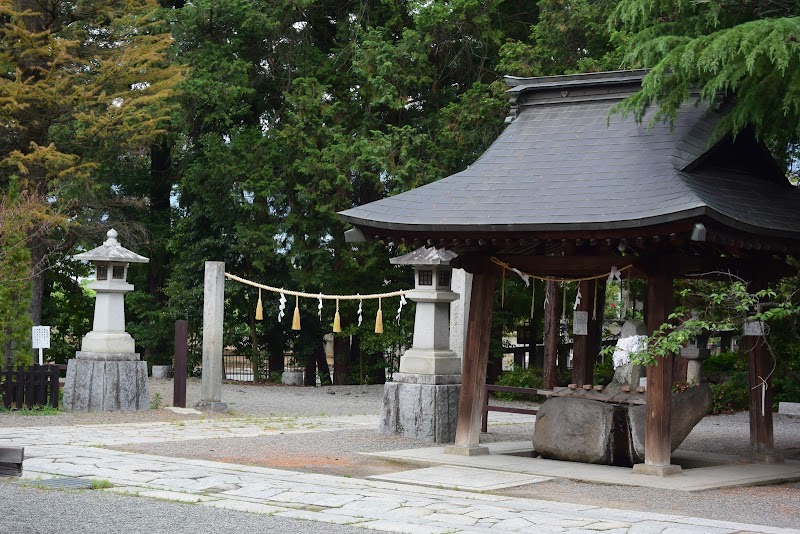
(161, 371)
(430, 362)
(421, 411)
(292, 378)
(95, 385)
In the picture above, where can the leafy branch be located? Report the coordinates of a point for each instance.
(727, 309)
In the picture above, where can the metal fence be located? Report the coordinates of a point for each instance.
(237, 367)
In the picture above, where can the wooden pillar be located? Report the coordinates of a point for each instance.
(550, 336)
(476, 354)
(179, 364)
(584, 347)
(762, 440)
(657, 449)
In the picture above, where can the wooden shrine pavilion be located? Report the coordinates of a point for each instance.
(570, 190)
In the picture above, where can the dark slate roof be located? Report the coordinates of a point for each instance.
(565, 164)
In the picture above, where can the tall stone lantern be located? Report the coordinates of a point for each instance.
(422, 402)
(107, 373)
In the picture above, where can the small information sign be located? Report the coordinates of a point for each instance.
(580, 323)
(754, 328)
(41, 337)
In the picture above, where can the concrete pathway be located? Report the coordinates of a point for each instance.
(372, 504)
(719, 471)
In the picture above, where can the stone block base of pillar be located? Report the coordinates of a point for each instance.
(657, 470)
(435, 380)
(97, 385)
(466, 451)
(209, 406)
(422, 411)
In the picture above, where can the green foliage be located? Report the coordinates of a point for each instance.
(31, 410)
(521, 378)
(68, 309)
(100, 484)
(569, 37)
(785, 344)
(727, 374)
(155, 402)
(727, 307)
(15, 276)
(604, 370)
(701, 50)
(732, 395)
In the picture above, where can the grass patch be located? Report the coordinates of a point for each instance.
(100, 484)
(31, 410)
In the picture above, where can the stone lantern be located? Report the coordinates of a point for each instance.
(430, 357)
(696, 352)
(107, 373)
(422, 402)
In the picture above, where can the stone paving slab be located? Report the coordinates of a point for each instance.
(505, 457)
(157, 432)
(371, 504)
(460, 478)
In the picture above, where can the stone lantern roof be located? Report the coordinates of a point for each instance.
(425, 256)
(111, 250)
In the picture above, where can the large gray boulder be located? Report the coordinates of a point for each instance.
(688, 408)
(576, 430)
(588, 431)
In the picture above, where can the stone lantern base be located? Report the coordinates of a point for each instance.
(422, 407)
(102, 381)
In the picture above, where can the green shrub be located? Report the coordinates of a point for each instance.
(603, 371)
(720, 366)
(731, 395)
(521, 378)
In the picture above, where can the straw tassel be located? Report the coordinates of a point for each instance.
(296, 318)
(259, 307)
(379, 319)
(337, 321)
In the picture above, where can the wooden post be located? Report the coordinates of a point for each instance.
(550, 334)
(179, 364)
(583, 349)
(657, 448)
(476, 354)
(762, 440)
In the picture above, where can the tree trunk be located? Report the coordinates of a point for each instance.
(322, 365)
(276, 361)
(341, 361)
(38, 258)
(377, 368)
(310, 375)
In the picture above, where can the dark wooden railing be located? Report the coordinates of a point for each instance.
(36, 386)
(506, 389)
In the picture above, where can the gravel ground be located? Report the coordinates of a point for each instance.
(95, 511)
(337, 453)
